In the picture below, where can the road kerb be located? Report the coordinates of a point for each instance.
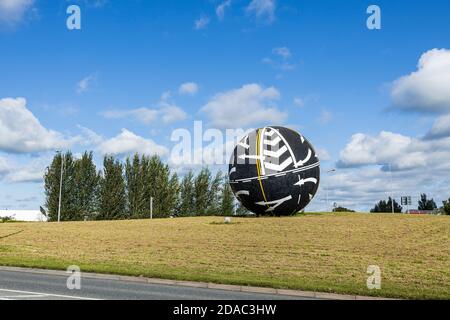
(296, 293)
(226, 287)
(333, 296)
(258, 290)
(192, 284)
(161, 281)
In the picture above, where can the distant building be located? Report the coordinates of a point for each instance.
(24, 215)
(421, 211)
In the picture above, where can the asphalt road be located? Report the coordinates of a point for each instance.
(28, 285)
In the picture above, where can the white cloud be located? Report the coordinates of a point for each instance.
(363, 172)
(426, 89)
(144, 115)
(97, 3)
(165, 111)
(402, 152)
(169, 113)
(13, 11)
(361, 187)
(281, 59)
(84, 84)
(33, 171)
(4, 166)
(90, 137)
(363, 175)
(262, 9)
(21, 131)
(283, 52)
(441, 128)
(299, 102)
(201, 23)
(166, 95)
(190, 88)
(128, 143)
(387, 147)
(249, 105)
(323, 154)
(220, 10)
(325, 117)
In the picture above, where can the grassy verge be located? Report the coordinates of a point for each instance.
(328, 252)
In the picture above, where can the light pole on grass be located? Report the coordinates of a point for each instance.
(60, 186)
(389, 164)
(326, 186)
(151, 207)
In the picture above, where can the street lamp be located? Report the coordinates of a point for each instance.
(391, 183)
(60, 187)
(326, 186)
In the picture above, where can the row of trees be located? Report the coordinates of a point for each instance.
(123, 190)
(424, 204)
(386, 206)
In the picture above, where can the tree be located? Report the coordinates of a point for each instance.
(157, 186)
(173, 197)
(51, 187)
(215, 194)
(134, 186)
(186, 205)
(112, 191)
(386, 206)
(425, 204)
(446, 207)
(227, 205)
(86, 183)
(69, 206)
(201, 192)
(52, 178)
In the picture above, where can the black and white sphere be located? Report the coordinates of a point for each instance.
(274, 171)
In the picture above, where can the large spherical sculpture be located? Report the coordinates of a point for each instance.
(274, 171)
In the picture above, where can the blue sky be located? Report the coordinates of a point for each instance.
(116, 86)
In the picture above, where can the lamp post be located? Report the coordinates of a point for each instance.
(392, 187)
(60, 187)
(389, 164)
(326, 186)
(151, 207)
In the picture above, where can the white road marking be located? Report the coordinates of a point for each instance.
(275, 202)
(279, 167)
(308, 157)
(281, 174)
(255, 157)
(269, 133)
(273, 142)
(274, 174)
(242, 192)
(25, 296)
(40, 294)
(243, 142)
(287, 145)
(275, 154)
(301, 181)
(244, 145)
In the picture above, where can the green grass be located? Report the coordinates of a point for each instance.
(320, 252)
